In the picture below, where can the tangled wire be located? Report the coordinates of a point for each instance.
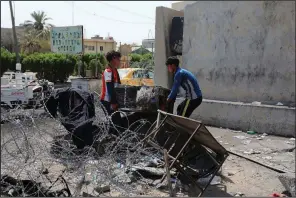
(30, 166)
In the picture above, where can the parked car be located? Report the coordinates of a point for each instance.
(136, 77)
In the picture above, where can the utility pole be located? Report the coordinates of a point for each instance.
(96, 74)
(73, 13)
(152, 52)
(18, 64)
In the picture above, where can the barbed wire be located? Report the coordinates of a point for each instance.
(36, 147)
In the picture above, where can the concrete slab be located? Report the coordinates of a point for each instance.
(273, 120)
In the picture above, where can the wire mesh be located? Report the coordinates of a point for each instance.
(36, 147)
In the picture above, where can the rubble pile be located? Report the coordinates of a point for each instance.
(40, 157)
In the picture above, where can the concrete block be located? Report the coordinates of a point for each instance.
(163, 24)
(273, 120)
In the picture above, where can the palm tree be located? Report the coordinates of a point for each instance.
(30, 43)
(39, 24)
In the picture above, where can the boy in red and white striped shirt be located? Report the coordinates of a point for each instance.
(110, 80)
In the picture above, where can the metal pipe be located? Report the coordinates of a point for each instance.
(16, 49)
(96, 74)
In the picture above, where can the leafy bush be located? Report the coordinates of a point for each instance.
(51, 66)
(135, 57)
(6, 60)
(92, 66)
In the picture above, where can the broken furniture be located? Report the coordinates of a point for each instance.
(141, 102)
(186, 141)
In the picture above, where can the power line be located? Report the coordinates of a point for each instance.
(107, 18)
(134, 13)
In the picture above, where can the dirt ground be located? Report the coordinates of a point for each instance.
(238, 175)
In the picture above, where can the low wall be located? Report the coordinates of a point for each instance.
(273, 120)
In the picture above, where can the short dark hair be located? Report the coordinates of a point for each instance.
(172, 60)
(112, 54)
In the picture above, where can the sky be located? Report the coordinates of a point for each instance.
(126, 21)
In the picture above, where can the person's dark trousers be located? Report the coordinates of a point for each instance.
(116, 118)
(186, 107)
(107, 106)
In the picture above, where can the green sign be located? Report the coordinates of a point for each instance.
(67, 40)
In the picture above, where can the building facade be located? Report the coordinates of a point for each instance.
(99, 44)
(125, 50)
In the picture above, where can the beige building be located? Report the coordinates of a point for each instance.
(180, 6)
(125, 50)
(99, 44)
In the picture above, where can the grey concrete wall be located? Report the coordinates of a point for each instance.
(181, 5)
(273, 120)
(163, 24)
(243, 50)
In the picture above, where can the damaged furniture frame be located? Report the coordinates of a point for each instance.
(185, 139)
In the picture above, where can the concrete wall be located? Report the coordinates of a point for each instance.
(273, 120)
(243, 50)
(180, 6)
(163, 24)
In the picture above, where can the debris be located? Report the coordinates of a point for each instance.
(150, 171)
(241, 137)
(246, 142)
(84, 194)
(251, 132)
(267, 157)
(256, 103)
(251, 151)
(172, 194)
(288, 142)
(226, 143)
(292, 139)
(120, 165)
(215, 181)
(288, 180)
(121, 177)
(103, 188)
(239, 194)
(176, 133)
(260, 137)
(279, 104)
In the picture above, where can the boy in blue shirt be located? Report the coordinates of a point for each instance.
(187, 81)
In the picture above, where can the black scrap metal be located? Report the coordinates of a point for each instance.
(182, 137)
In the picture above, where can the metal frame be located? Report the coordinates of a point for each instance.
(176, 162)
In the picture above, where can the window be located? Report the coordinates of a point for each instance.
(138, 74)
(122, 73)
(101, 48)
(150, 75)
(91, 48)
(85, 47)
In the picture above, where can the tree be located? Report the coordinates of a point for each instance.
(39, 24)
(30, 44)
